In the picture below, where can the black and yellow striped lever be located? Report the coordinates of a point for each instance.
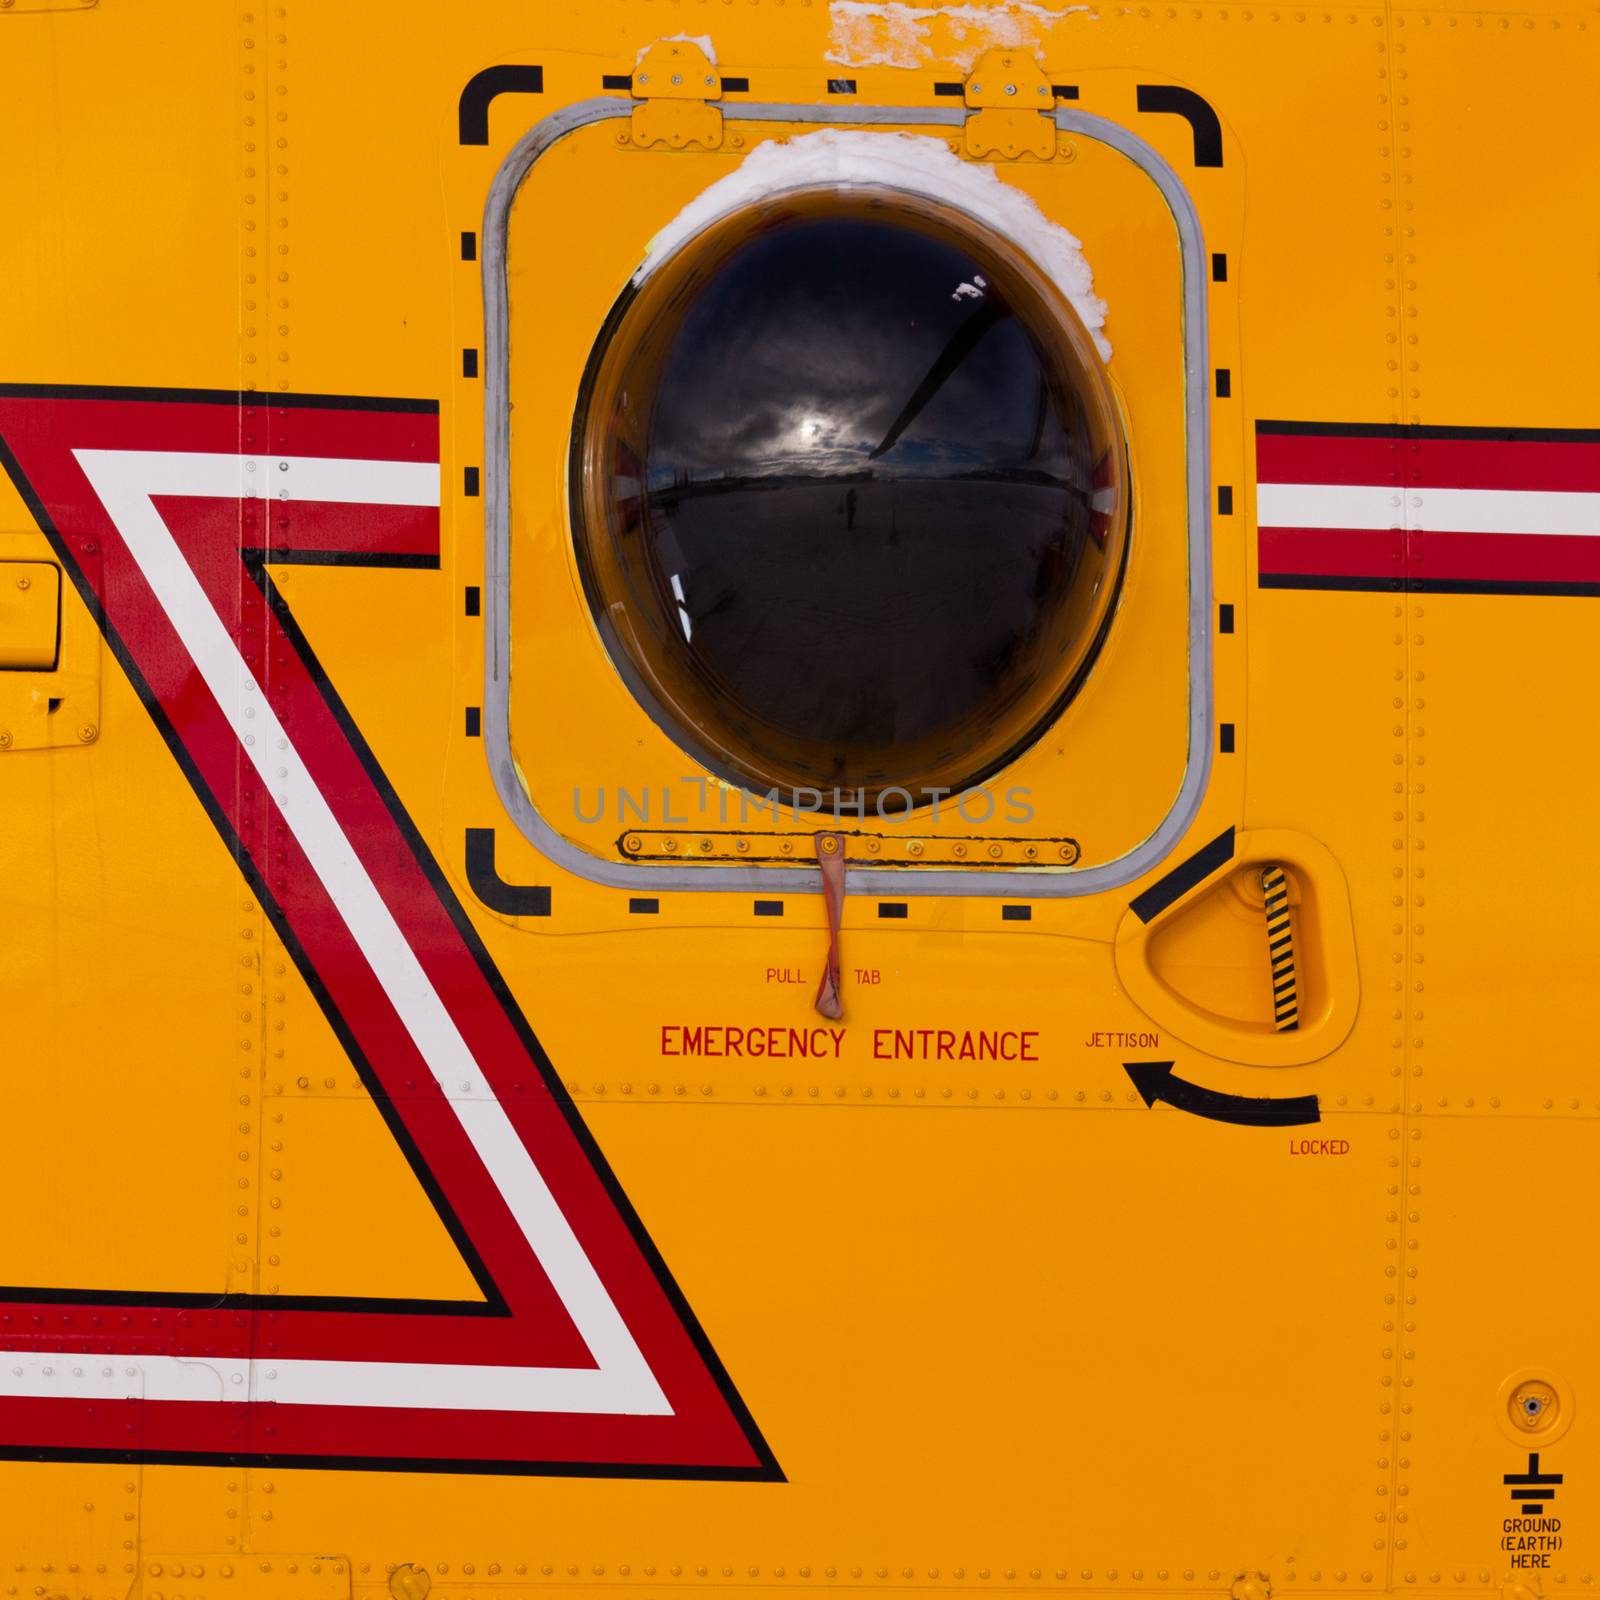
(1280, 948)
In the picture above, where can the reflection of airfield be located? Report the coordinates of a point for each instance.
(831, 632)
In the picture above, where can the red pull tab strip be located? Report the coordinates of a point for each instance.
(830, 856)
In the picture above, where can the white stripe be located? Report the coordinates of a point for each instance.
(69, 1375)
(1343, 505)
(623, 1383)
(1326, 505)
(333, 479)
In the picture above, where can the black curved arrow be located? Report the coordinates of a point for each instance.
(1155, 1081)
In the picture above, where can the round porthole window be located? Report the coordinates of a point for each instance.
(849, 496)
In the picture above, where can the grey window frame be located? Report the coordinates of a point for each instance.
(867, 880)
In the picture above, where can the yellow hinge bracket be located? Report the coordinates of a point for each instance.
(673, 84)
(1012, 108)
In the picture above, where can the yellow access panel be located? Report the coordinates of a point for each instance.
(518, 1083)
(615, 798)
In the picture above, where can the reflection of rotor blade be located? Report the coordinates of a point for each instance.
(961, 345)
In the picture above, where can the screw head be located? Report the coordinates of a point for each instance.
(88, 732)
(677, 78)
(1011, 88)
(24, 583)
(1535, 1406)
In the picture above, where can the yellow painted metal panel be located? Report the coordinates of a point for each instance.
(1003, 1324)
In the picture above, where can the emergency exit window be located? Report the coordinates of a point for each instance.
(849, 497)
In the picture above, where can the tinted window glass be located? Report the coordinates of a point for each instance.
(848, 497)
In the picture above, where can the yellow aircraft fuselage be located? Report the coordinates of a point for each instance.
(488, 1111)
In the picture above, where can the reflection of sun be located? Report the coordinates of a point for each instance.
(808, 441)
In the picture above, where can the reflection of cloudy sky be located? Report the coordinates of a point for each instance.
(801, 354)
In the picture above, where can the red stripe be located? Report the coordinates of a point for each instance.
(362, 435)
(1429, 463)
(334, 527)
(109, 1330)
(1300, 458)
(395, 1433)
(1332, 552)
(360, 529)
(249, 429)
(1436, 557)
(1505, 557)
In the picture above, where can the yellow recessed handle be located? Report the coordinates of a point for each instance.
(1280, 950)
(30, 615)
(1195, 967)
